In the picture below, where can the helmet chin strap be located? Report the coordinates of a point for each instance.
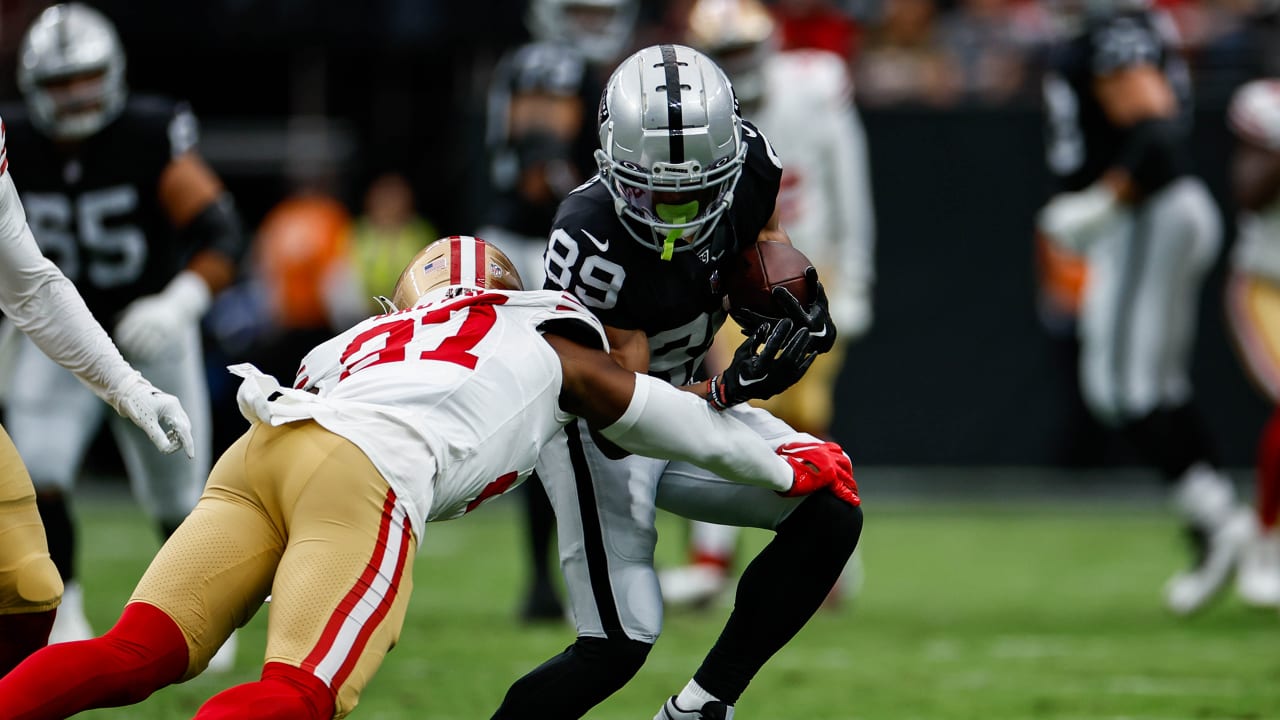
(676, 215)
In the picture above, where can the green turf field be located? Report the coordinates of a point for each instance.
(968, 612)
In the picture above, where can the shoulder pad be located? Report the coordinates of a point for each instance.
(819, 74)
(1254, 113)
(1122, 42)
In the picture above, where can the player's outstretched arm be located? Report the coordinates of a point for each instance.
(649, 417)
(43, 303)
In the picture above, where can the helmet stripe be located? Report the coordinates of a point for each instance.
(675, 112)
(481, 272)
(455, 261)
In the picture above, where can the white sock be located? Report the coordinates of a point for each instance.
(693, 697)
(1204, 496)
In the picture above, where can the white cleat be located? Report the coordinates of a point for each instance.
(225, 659)
(1258, 577)
(1189, 591)
(694, 585)
(710, 711)
(70, 623)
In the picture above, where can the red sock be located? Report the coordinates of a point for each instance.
(144, 652)
(21, 635)
(1269, 473)
(284, 693)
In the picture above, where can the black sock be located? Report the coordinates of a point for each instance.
(59, 531)
(1173, 439)
(573, 682)
(780, 590)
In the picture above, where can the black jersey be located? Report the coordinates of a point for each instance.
(537, 68)
(678, 303)
(1080, 142)
(94, 208)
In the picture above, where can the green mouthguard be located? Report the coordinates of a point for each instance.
(676, 215)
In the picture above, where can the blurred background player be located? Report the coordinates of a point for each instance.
(38, 300)
(323, 501)
(1253, 309)
(1116, 97)
(117, 196)
(541, 135)
(803, 100)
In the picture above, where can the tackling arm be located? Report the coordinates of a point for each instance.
(649, 417)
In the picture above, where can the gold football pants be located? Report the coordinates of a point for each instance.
(29, 582)
(301, 514)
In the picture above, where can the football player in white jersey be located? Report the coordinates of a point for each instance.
(41, 302)
(418, 415)
(1117, 96)
(1253, 308)
(803, 100)
(117, 195)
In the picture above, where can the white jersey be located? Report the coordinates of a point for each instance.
(42, 302)
(825, 199)
(1255, 116)
(451, 400)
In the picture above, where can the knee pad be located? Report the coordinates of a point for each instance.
(619, 659)
(38, 583)
(829, 521)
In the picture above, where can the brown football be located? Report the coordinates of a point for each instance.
(750, 278)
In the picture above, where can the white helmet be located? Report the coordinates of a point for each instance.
(671, 146)
(69, 42)
(599, 29)
(739, 36)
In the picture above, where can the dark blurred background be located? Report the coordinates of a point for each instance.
(957, 369)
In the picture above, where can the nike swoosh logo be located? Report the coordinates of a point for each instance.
(819, 334)
(744, 382)
(603, 246)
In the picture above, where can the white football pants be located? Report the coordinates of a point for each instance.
(1138, 317)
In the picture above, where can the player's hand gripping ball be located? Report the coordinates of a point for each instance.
(769, 281)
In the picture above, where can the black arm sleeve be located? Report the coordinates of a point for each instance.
(218, 228)
(1154, 153)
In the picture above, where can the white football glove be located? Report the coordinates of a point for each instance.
(1073, 219)
(148, 326)
(160, 416)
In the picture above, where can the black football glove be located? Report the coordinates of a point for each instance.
(770, 361)
(816, 319)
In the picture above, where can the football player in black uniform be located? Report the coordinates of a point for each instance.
(1117, 143)
(541, 135)
(683, 186)
(117, 196)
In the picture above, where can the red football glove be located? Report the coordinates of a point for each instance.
(816, 465)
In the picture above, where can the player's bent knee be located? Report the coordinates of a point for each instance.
(283, 692)
(620, 659)
(38, 583)
(833, 522)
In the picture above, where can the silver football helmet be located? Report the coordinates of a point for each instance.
(599, 29)
(671, 146)
(71, 71)
(739, 36)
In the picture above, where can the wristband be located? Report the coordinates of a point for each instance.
(714, 393)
